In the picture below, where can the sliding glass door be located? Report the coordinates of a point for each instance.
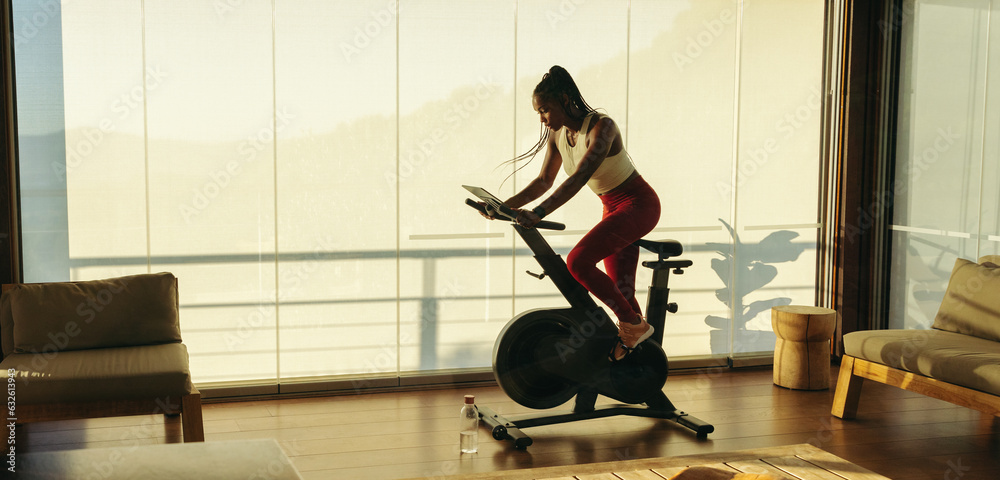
(946, 191)
(298, 165)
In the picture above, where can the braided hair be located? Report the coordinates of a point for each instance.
(558, 82)
(554, 85)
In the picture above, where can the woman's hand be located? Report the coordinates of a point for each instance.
(487, 211)
(527, 218)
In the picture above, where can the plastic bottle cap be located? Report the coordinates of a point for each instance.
(470, 399)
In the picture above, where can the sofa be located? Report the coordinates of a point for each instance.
(100, 348)
(956, 360)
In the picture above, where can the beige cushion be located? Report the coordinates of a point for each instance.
(993, 259)
(117, 312)
(89, 375)
(971, 304)
(950, 357)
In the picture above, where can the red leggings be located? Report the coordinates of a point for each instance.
(629, 213)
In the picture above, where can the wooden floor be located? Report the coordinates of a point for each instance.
(898, 434)
(791, 462)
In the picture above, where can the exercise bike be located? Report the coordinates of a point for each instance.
(544, 357)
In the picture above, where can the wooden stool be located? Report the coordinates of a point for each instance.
(802, 351)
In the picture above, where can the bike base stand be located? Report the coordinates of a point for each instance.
(509, 427)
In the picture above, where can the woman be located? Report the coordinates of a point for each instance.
(588, 145)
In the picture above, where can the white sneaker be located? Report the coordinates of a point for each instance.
(629, 336)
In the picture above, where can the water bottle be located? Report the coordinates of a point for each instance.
(469, 426)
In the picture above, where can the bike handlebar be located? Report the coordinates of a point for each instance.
(508, 214)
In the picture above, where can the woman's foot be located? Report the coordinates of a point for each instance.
(619, 351)
(630, 335)
(635, 333)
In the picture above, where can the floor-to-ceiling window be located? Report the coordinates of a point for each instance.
(946, 191)
(297, 164)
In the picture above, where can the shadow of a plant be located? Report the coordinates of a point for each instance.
(753, 270)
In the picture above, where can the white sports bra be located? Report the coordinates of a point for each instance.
(613, 170)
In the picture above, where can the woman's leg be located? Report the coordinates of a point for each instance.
(621, 268)
(605, 240)
(628, 215)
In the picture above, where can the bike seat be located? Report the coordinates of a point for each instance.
(663, 248)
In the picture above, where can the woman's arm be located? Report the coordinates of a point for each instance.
(600, 140)
(543, 182)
